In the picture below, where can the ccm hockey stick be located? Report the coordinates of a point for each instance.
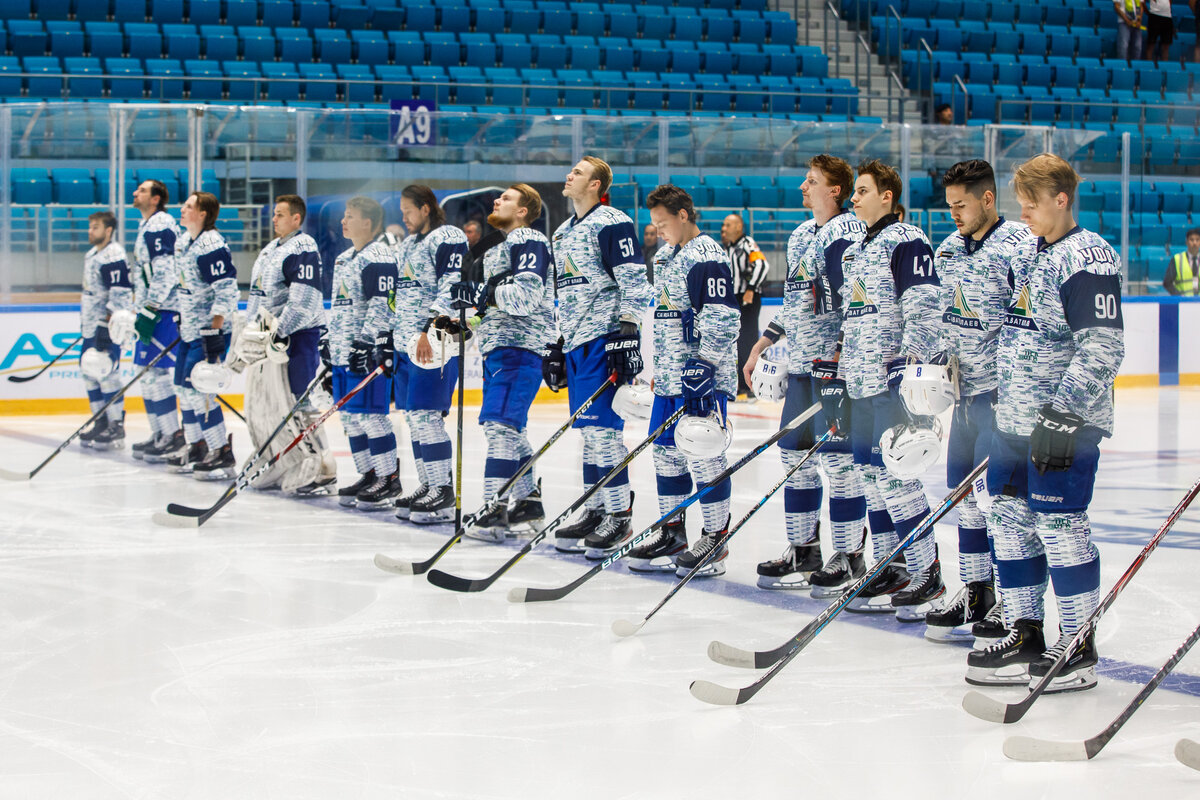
(980, 705)
(533, 595)
(389, 564)
(48, 365)
(778, 658)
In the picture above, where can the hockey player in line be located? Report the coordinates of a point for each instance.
(364, 279)
(973, 266)
(811, 321)
(156, 294)
(602, 293)
(1059, 350)
(106, 290)
(431, 260)
(515, 303)
(280, 348)
(695, 365)
(208, 295)
(890, 301)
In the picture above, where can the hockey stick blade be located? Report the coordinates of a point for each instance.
(389, 564)
(979, 705)
(1027, 748)
(732, 656)
(455, 583)
(172, 521)
(9, 475)
(625, 628)
(717, 695)
(535, 595)
(1187, 753)
(53, 361)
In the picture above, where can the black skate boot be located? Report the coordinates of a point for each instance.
(138, 449)
(839, 572)
(953, 623)
(492, 526)
(182, 462)
(403, 504)
(87, 438)
(380, 494)
(165, 447)
(348, 495)
(709, 540)
(569, 539)
(527, 514)
(112, 437)
(923, 594)
(218, 465)
(1078, 672)
(614, 530)
(991, 629)
(876, 597)
(433, 507)
(1006, 662)
(658, 554)
(318, 488)
(792, 570)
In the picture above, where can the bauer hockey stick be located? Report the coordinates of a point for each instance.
(1187, 752)
(1027, 748)
(193, 521)
(623, 627)
(9, 475)
(534, 595)
(779, 658)
(456, 584)
(980, 705)
(389, 564)
(51, 363)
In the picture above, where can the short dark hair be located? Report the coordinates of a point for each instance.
(370, 209)
(886, 178)
(420, 195)
(1192, 232)
(471, 222)
(673, 199)
(106, 218)
(975, 176)
(941, 108)
(210, 205)
(295, 204)
(159, 189)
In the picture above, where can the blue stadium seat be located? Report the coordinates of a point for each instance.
(204, 12)
(781, 60)
(622, 21)
(66, 39)
(258, 44)
(277, 13)
(243, 80)
(182, 41)
(27, 37)
(489, 20)
(718, 27)
(104, 39)
(126, 78)
(814, 64)
(144, 40)
(281, 80)
(716, 56)
(206, 87)
(169, 83)
(166, 12)
(551, 56)
(84, 11)
(751, 30)
(1038, 74)
(84, 88)
(295, 45)
(686, 26)
(129, 10)
(220, 43)
(781, 28)
(31, 186)
(313, 14)
(749, 59)
(360, 82)
(241, 12)
(682, 61)
(349, 14)
(369, 47)
(617, 58)
(318, 82)
(454, 19)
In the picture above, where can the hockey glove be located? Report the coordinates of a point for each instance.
(895, 374)
(384, 354)
(699, 387)
(214, 344)
(554, 366)
(103, 340)
(832, 392)
(452, 327)
(360, 356)
(1052, 443)
(147, 320)
(622, 348)
(466, 294)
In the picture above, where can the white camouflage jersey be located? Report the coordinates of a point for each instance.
(889, 304)
(286, 280)
(429, 264)
(812, 297)
(975, 293)
(157, 279)
(207, 283)
(1063, 337)
(363, 282)
(600, 275)
(106, 286)
(696, 315)
(524, 312)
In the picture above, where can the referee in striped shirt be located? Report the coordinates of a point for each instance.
(749, 271)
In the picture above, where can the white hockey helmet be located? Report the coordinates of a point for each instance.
(211, 378)
(908, 450)
(445, 347)
(769, 380)
(702, 437)
(96, 364)
(633, 401)
(121, 327)
(927, 389)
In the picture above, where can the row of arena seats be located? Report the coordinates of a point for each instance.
(58, 229)
(1145, 78)
(81, 186)
(1068, 107)
(1053, 13)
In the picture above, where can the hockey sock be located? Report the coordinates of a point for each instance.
(95, 395)
(715, 505)
(110, 385)
(609, 451)
(974, 550)
(503, 457)
(382, 443)
(429, 428)
(360, 447)
(801, 500)
(847, 505)
(592, 474)
(883, 532)
(907, 506)
(1074, 566)
(1020, 560)
(414, 438)
(212, 426)
(527, 482)
(191, 427)
(673, 480)
(158, 393)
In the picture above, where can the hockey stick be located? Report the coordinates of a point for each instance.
(192, 520)
(52, 362)
(534, 595)
(1026, 748)
(778, 658)
(623, 627)
(1187, 753)
(462, 378)
(980, 705)
(456, 584)
(9, 475)
(235, 412)
(187, 511)
(389, 564)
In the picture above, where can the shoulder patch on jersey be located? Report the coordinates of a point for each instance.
(861, 302)
(1020, 313)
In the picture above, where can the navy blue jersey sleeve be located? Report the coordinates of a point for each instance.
(1092, 301)
(829, 291)
(303, 268)
(532, 256)
(115, 275)
(449, 258)
(159, 243)
(912, 265)
(618, 245)
(379, 278)
(710, 282)
(216, 265)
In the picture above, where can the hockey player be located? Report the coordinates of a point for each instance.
(1059, 350)
(890, 293)
(811, 321)
(280, 347)
(364, 279)
(431, 259)
(106, 290)
(602, 292)
(695, 365)
(156, 294)
(515, 302)
(973, 266)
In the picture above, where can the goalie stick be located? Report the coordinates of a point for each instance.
(980, 705)
(534, 595)
(778, 658)
(48, 365)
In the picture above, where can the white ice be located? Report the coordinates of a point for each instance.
(264, 656)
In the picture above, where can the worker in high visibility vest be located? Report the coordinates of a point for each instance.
(1183, 273)
(1129, 28)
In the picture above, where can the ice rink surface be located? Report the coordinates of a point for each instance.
(264, 656)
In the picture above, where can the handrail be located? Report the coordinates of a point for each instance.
(966, 97)
(920, 83)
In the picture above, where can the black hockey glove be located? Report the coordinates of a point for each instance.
(214, 344)
(554, 366)
(384, 354)
(832, 391)
(623, 350)
(1052, 443)
(453, 327)
(895, 374)
(103, 341)
(699, 387)
(360, 356)
(466, 294)
(326, 358)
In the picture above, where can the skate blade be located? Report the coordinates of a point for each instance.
(710, 571)
(490, 535)
(569, 546)
(800, 581)
(526, 528)
(319, 491)
(430, 518)
(137, 455)
(943, 635)
(599, 554)
(1011, 675)
(828, 592)
(117, 445)
(181, 470)
(871, 605)
(1077, 681)
(370, 508)
(214, 475)
(917, 613)
(347, 502)
(660, 564)
(403, 513)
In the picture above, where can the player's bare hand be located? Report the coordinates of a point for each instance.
(424, 349)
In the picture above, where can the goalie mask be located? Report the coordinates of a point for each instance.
(927, 389)
(211, 378)
(769, 381)
(633, 401)
(908, 450)
(95, 364)
(444, 345)
(702, 437)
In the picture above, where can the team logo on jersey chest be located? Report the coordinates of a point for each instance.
(665, 308)
(861, 303)
(801, 279)
(571, 275)
(408, 278)
(1020, 313)
(961, 313)
(342, 298)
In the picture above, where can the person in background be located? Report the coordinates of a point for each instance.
(943, 115)
(901, 211)
(1129, 28)
(1160, 29)
(749, 271)
(650, 246)
(1183, 272)
(474, 232)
